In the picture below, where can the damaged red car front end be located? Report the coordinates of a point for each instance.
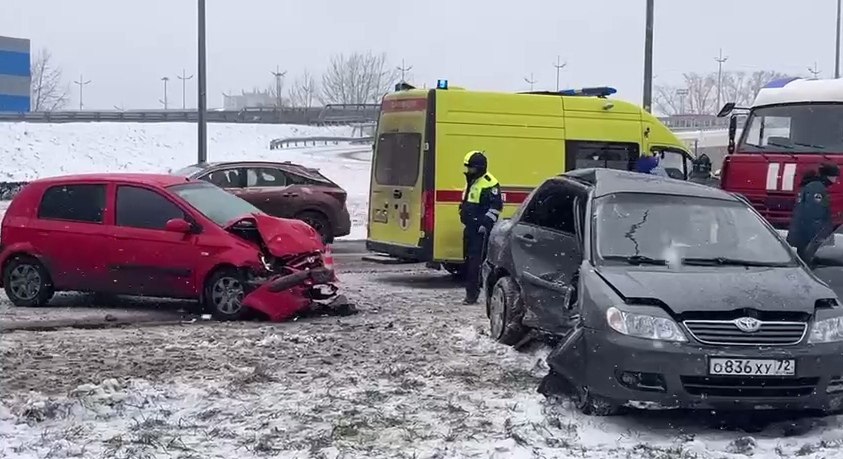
(295, 274)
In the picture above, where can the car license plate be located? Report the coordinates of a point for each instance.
(752, 367)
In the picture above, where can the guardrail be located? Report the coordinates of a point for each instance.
(277, 144)
(329, 115)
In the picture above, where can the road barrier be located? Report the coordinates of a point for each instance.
(329, 115)
(278, 144)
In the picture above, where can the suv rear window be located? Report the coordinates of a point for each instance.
(80, 203)
(397, 159)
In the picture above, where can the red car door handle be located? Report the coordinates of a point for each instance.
(290, 195)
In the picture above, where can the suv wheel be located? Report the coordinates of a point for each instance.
(594, 405)
(27, 282)
(318, 222)
(505, 312)
(224, 293)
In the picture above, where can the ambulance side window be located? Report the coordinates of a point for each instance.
(612, 155)
(676, 162)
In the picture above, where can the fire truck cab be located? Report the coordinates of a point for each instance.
(793, 126)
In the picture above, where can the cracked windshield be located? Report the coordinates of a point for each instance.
(479, 229)
(678, 230)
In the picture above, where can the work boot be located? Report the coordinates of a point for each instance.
(469, 300)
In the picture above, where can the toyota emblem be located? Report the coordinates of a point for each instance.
(748, 324)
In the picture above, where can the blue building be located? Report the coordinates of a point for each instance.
(15, 76)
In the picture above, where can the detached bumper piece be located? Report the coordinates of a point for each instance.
(305, 292)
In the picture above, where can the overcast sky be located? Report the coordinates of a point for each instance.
(125, 46)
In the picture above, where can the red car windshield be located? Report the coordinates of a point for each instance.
(215, 203)
(797, 128)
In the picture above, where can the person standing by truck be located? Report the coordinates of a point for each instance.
(812, 213)
(480, 208)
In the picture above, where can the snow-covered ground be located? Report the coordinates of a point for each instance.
(35, 150)
(413, 375)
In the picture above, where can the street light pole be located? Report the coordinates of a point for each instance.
(837, 45)
(165, 80)
(648, 58)
(81, 83)
(183, 77)
(202, 154)
(720, 61)
(559, 66)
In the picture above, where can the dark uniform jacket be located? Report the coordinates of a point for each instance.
(481, 203)
(811, 214)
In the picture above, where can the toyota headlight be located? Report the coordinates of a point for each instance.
(827, 331)
(644, 326)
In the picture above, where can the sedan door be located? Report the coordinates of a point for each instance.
(546, 254)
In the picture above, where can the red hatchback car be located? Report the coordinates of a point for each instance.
(160, 236)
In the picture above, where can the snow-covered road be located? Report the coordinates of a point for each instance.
(413, 375)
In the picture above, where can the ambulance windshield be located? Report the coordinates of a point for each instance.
(795, 128)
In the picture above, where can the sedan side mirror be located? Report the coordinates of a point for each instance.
(178, 225)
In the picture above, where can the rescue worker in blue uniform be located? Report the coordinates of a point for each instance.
(812, 213)
(480, 208)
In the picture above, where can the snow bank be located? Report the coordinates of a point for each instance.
(35, 150)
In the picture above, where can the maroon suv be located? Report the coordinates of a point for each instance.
(283, 190)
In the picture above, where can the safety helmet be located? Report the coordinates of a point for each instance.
(476, 159)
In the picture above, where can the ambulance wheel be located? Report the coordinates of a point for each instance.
(319, 222)
(506, 309)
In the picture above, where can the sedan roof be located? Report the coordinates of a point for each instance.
(610, 181)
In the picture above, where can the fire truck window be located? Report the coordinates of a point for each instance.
(769, 130)
(815, 127)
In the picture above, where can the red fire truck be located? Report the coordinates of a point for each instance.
(793, 126)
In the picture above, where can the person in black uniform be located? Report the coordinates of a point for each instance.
(812, 213)
(480, 208)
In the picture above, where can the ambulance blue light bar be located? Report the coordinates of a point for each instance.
(601, 91)
(441, 84)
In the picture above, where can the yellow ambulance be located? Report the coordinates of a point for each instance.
(422, 136)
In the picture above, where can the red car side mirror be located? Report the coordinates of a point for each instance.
(178, 225)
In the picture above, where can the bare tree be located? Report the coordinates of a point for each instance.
(358, 78)
(48, 91)
(304, 91)
(741, 87)
(700, 95)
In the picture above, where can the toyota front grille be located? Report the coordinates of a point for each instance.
(751, 332)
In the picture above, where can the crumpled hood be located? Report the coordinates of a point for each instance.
(723, 289)
(284, 237)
